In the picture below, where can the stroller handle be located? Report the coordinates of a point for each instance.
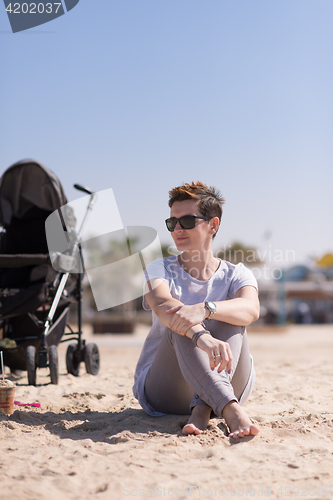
(93, 197)
(84, 189)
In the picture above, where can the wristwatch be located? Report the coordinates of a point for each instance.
(211, 307)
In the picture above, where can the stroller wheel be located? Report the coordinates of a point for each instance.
(91, 358)
(72, 361)
(53, 364)
(31, 364)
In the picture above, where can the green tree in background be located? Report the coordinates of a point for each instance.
(237, 252)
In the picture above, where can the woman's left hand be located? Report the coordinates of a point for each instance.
(186, 316)
(219, 352)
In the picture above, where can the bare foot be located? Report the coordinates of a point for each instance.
(239, 423)
(198, 420)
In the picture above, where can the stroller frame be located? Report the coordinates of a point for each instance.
(40, 350)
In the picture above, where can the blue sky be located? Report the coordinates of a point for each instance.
(141, 95)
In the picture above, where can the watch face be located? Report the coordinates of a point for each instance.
(211, 306)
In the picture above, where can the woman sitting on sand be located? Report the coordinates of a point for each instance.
(196, 357)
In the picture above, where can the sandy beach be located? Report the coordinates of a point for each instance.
(90, 438)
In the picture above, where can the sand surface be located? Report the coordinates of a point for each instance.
(91, 440)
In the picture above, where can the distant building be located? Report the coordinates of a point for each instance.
(300, 295)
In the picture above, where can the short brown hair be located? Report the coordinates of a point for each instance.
(210, 200)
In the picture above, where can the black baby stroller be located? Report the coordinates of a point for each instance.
(35, 296)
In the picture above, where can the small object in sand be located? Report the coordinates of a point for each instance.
(7, 395)
(18, 403)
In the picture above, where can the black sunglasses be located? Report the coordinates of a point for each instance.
(185, 222)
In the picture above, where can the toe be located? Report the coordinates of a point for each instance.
(254, 430)
(234, 435)
(191, 429)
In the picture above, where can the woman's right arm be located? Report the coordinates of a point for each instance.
(159, 299)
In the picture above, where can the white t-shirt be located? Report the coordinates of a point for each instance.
(223, 285)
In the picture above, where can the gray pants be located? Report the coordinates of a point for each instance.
(180, 376)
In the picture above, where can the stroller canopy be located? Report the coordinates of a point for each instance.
(28, 184)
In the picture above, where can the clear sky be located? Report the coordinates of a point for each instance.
(141, 95)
